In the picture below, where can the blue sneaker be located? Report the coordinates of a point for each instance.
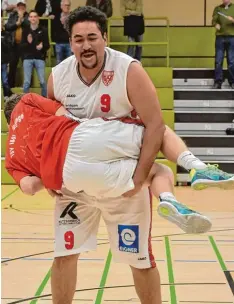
(188, 220)
(211, 176)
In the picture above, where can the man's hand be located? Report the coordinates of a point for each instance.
(218, 27)
(39, 46)
(31, 185)
(230, 19)
(53, 193)
(135, 190)
(51, 17)
(30, 38)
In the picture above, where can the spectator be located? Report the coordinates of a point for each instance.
(35, 43)
(50, 9)
(103, 5)
(134, 26)
(61, 37)
(223, 20)
(8, 6)
(6, 43)
(17, 21)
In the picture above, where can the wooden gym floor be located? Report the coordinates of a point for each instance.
(194, 268)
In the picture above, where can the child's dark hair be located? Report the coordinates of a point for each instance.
(10, 105)
(87, 13)
(33, 11)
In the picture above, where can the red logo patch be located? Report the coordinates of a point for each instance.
(107, 77)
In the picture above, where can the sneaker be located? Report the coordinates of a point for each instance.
(188, 220)
(211, 176)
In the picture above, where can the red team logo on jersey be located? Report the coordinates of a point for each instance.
(107, 77)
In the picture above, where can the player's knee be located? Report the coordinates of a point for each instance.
(165, 170)
(65, 261)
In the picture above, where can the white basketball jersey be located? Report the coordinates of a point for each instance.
(106, 96)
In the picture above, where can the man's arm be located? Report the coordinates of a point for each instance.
(143, 97)
(30, 185)
(11, 25)
(50, 87)
(215, 17)
(109, 10)
(42, 103)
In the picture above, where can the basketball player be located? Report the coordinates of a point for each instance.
(106, 170)
(45, 150)
(97, 82)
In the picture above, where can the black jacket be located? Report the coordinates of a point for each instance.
(60, 35)
(28, 50)
(105, 6)
(6, 44)
(134, 25)
(40, 7)
(11, 23)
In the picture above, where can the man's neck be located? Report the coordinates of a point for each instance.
(88, 75)
(34, 26)
(227, 4)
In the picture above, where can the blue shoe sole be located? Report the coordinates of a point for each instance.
(192, 224)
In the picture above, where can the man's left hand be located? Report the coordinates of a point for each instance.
(230, 19)
(39, 46)
(137, 188)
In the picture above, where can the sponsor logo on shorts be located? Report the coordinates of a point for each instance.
(68, 217)
(128, 238)
(142, 259)
(71, 95)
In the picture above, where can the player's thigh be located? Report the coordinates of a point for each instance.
(76, 223)
(128, 222)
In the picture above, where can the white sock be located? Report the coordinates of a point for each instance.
(188, 161)
(163, 196)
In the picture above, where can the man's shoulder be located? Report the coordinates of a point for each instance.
(118, 55)
(65, 64)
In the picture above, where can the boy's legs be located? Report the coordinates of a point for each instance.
(161, 181)
(202, 175)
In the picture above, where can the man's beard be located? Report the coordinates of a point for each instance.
(92, 66)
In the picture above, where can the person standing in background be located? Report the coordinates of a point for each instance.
(61, 37)
(104, 6)
(6, 49)
(223, 21)
(34, 45)
(17, 21)
(132, 11)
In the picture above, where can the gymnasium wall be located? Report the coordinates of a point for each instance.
(180, 12)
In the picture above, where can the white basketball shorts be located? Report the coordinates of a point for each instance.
(128, 222)
(102, 157)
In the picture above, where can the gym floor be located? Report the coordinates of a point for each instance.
(194, 268)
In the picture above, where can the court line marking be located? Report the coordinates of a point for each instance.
(218, 254)
(104, 278)
(222, 264)
(41, 287)
(100, 259)
(230, 280)
(113, 287)
(51, 259)
(170, 271)
(6, 196)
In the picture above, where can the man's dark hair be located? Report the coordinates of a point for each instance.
(10, 105)
(86, 13)
(33, 11)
